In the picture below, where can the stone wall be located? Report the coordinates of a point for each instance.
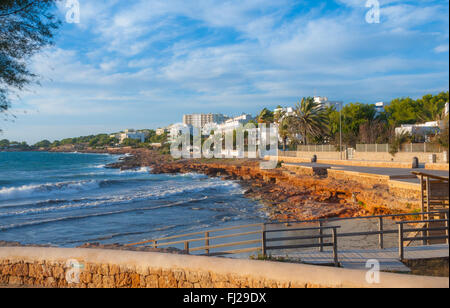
(51, 267)
(399, 157)
(371, 156)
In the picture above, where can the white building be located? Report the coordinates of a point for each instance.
(161, 131)
(200, 120)
(428, 128)
(288, 111)
(234, 123)
(177, 130)
(325, 103)
(379, 107)
(131, 134)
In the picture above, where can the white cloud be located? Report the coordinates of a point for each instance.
(441, 48)
(148, 62)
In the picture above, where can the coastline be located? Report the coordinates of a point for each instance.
(284, 195)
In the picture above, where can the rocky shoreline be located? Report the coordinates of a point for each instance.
(285, 196)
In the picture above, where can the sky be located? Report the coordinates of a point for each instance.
(144, 63)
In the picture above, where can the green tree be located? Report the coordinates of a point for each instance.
(354, 115)
(265, 116)
(310, 119)
(431, 106)
(131, 142)
(4, 143)
(43, 144)
(26, 26)
(402, 111)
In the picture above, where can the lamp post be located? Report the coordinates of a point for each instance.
(340, 130)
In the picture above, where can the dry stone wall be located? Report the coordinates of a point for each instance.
(94, 268)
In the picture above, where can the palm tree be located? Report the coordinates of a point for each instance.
(266, 116)
(310, 119)
(287, 130)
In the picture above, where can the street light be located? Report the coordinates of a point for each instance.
(340, 128)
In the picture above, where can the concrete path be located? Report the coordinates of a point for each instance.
(356, 259)
(393, 172)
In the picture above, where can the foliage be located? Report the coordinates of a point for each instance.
(442, 138)
(5, 144)
(43, 144)
(26, 27)
(409, 111)
(102, 140)
(310, 119)
(397, 142)
(131, 143)
(266, 116)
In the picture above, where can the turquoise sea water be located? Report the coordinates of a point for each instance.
(69, 199)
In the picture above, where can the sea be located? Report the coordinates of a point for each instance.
(68, 199)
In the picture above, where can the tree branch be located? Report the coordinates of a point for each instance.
(18, 10)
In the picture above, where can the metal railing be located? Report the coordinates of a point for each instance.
(319, 148)
(407, 147)
(206, 237)
(263, 242)
(430, 225)
(320, 245)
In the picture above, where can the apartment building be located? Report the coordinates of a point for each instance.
(200, 120)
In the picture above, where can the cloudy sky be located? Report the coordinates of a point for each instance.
(143, 63)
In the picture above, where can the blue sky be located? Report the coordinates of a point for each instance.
(143, 63)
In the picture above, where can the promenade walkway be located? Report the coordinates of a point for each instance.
(357, 259)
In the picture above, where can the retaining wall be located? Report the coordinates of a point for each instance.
(402, 157)
(48, 267)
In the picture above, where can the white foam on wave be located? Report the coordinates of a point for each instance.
(8, 193)
(65, 218)
(155, 193)
(137, 170)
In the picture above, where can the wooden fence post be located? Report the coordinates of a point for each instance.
(186, 247)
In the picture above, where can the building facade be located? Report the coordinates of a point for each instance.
(200, 119)
(131, 134)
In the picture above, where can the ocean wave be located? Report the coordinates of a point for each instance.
(8, 193)
(68, 218)
(137, 170)
(139, 191)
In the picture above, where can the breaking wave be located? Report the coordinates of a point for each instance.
(8, 193)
